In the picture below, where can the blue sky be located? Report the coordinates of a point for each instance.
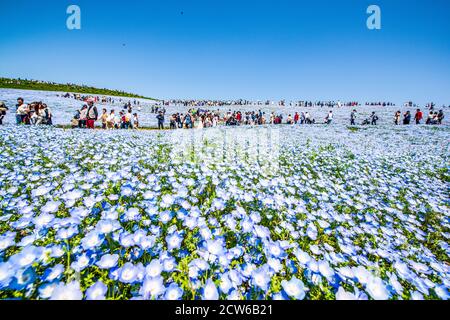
(235, 49)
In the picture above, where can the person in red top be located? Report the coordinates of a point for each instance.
(418, 116)
(296, 117)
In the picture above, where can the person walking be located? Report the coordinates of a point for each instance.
(135, 121)
(353, 118)
(307, 118)
(440, 117)
(397, 118)
(407, 118)
(329, 117)
(296, 117)
(418, 116)
(373, 119)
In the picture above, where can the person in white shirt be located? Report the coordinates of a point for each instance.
(329, 117)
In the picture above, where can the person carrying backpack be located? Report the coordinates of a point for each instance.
(374, 119)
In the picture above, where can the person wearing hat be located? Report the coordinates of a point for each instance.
(3, 109)
(92, 114)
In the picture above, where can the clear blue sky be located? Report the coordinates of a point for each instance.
(235, 49)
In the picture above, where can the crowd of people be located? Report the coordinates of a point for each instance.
(88, 115)
(204, 118)
(103, 100)
(35, 113)
(244, 102)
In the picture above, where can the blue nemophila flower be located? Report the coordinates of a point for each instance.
(294, 288)
(46, 290)
(40, 191)
(215, 247)
(67, 233)
(92, 240)
(341, 294)
(174, 241)
(416, 296)
(23, 278)
(154, 268)
(173, 292)
(376, 288)
(132, 214)
(325, 269)
(43, 220)
(83, 261)
(27, 257)
(261, 277)
(210, 291)
(6, 274)
(108, 261)
(311, 231)
(152, 288)
(73, 195)
(54, 273)
(441, 291)
(167, 200)
(165, 216)
(50, 207)
(126, 191)
(225, 283)
(107, 226)
(70, 291)
(128, 273)
(97, 291)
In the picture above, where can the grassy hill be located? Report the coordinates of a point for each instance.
(26, 84)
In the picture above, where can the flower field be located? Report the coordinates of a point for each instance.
(318, 213)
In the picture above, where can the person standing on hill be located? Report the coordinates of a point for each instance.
(374, 119)
(160, 118)
(418, 116)
(92, 115)
(407, 118)
(21, 111)
(104, 118)
(47, 115)
(440, 117)
(353, 117)
(397, 118)
(329, 117)
(83, 117)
